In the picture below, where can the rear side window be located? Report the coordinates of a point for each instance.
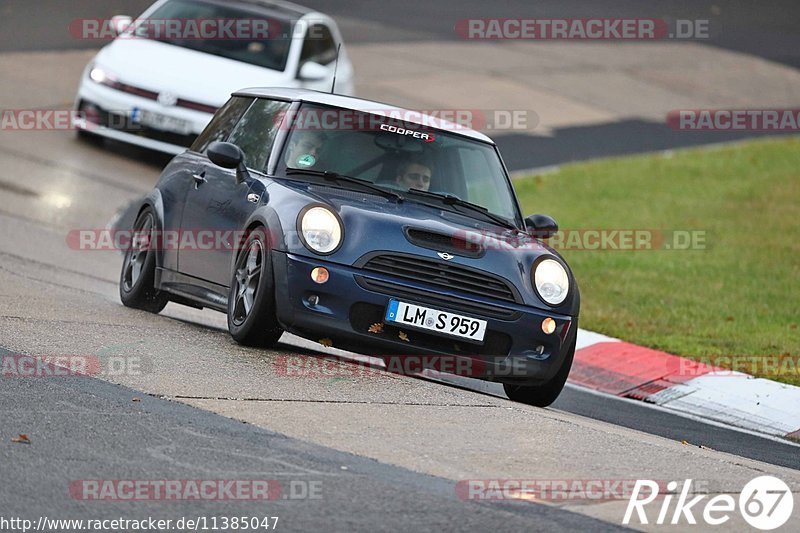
(255, 133)
(223, 123)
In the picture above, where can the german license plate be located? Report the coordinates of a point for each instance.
(163, 122)
(436, 321)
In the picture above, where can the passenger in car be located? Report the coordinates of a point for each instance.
(304, 149)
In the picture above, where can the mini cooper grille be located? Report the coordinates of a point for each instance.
(444, 243)
(440, 274)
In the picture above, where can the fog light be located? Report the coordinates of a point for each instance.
(313, 300)
(548, 325)
(319, 275)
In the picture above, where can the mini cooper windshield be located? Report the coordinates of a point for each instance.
(423, 164)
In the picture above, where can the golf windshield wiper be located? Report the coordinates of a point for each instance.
(451, 199)
(329, 175)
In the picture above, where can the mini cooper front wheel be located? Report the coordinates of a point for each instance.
(137, 279)
(546, 394)
(251, 300)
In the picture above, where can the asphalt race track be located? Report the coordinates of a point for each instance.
(384, 451)
(754, 30)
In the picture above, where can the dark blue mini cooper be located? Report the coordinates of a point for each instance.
(369, 227)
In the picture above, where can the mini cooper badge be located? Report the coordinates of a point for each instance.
(445, 255)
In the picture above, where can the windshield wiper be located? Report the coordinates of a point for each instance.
(451, 199)
(329, 175)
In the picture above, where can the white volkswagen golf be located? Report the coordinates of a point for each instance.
(159, 82)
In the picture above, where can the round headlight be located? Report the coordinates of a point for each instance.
(321, 230)
(98, 75)
(551, 281)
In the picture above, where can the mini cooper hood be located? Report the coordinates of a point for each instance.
(375, 224)
(378, 217)
(189, 74)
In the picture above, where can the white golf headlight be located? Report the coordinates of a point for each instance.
(101, 76)
(98, 75)
(551, 281)
(321, 230)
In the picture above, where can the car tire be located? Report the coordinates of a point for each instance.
(546, 394)
(137, 278)
(252, 318)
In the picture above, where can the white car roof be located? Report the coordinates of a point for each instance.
(360, 104)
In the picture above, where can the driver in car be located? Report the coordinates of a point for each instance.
(414, 174)
(303, 150)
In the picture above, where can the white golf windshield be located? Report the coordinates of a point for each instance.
(220, 30)
(401, 156)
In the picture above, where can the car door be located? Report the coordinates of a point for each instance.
(219, 202)
(177, 180)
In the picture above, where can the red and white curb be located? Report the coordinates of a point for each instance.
(678, 384)
(685, 387)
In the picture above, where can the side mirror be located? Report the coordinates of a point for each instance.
(541, 226)
(225, 155)
(311, 71)
(120, 23)
(228, 155)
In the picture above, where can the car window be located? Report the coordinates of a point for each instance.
(476, 168)
(249, 46)
(393, 153)
(318, 46)
(222, 124)
(255, 133)
(353, 148)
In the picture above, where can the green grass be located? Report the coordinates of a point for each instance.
(740, 296)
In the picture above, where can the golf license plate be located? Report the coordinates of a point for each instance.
(163, 122)
(433, 320)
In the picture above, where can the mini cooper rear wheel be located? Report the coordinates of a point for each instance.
(137, 279)
(252, 320)
(546, 394)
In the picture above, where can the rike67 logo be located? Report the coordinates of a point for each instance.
(765, 503)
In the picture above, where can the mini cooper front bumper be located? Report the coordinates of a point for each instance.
(350, 309)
